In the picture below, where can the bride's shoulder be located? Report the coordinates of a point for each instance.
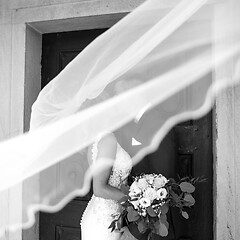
(106, 144)
(107, 139)
(103, 146)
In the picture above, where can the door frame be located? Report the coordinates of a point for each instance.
(25, 30)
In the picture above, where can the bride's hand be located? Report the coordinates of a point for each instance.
(126, 235)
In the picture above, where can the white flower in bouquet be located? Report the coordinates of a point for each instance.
(145, 202)
(135, 204)
(149, 178)
(144, 213)
(162, 193)
(134, 190)
(150, 193)
(142, 184)
(150, 197)
(160, 182)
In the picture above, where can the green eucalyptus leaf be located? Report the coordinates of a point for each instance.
(163, 230)
(163, 219)
(151, 212)
(172, 180)
(161, 227)
(142, 226)
(123, 199)
(175, 197)
(157, 227)
(130, 208)
(185, 215)
(112, 225)
(133, 216)
(189, 199)
(125, 189)
(164, 208)
(187, 187)
(118, 225)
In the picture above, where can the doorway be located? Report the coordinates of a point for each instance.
(185, 151)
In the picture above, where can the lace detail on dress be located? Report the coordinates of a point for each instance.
(100, 210)
(121, 168)
(94, 151)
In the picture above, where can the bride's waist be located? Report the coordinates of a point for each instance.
(104, 205)
(104, 201)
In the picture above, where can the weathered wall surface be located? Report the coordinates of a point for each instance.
(227, 169)
(5, 69)
(227, 138)
(11, 117)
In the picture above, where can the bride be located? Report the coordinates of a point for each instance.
(106, 191)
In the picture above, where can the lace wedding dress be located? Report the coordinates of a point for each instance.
(98, 214)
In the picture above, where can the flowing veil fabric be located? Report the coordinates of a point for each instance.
(150, 71)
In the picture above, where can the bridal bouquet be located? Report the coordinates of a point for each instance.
(147, 202)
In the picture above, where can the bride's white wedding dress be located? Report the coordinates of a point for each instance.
(98, 214)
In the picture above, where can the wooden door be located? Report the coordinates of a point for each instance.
(58, 50)
(186, 150)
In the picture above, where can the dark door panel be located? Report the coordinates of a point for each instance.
(186, 150)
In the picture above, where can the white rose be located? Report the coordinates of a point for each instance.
(150, 193)
(150, 178)
(160, 182)
(145, 202)
(144, 213)
(142, 184)
(162, 193)
(135, 204)
(134, 190)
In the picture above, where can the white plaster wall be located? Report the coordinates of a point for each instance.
(227, 120)
(32, 85)
(5, 76)
(16, 4)
(5, 55)
(227, 217)
(9, 125)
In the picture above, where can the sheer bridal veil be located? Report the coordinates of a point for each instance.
(155, 68)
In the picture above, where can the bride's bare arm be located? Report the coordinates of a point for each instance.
(107, 148)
